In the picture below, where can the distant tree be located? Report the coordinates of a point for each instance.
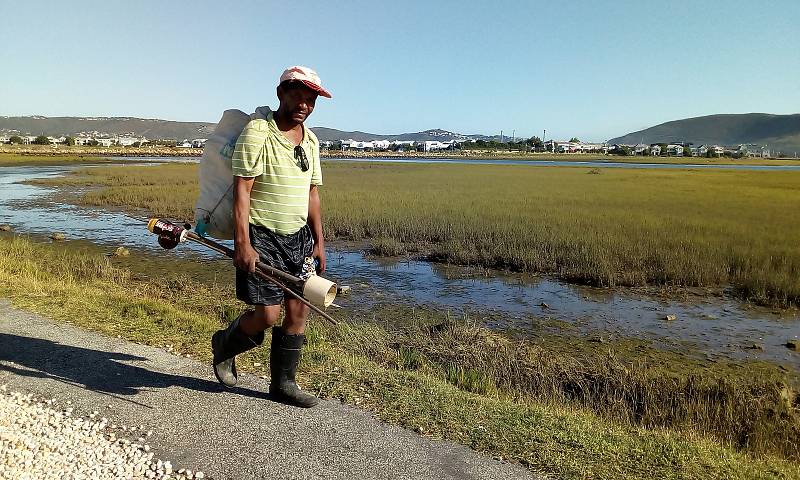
(69, 141)
(623, 150)
(41, 140)
(93, 143)
(687, 151)
(574, 140)
(535, 143)
(15, 139)
(136, 144)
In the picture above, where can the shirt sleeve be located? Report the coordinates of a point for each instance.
(316, 174)
(248, 156)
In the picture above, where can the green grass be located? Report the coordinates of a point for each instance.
(570, 417)
(621, 227)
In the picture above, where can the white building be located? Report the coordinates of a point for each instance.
(199, 142)
(433, 145)
(714, 149)
(655, 150)
(752, 150)
(381, 144)
(674, 150)
(357, 145)
(128, 141)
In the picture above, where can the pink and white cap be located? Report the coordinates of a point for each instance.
(307, 76)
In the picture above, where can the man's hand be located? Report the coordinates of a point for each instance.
(319, 253)
(245, 258)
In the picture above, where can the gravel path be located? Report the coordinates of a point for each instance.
(39, 442)
(79, 405)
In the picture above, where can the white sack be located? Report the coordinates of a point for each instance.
(214, 208)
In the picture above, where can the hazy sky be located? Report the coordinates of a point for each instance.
(593, 69)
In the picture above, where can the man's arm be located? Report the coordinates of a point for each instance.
(245, 256)
(315, 221)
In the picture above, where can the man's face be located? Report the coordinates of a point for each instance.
(298, 102)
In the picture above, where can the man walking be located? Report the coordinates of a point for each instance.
(278, 221)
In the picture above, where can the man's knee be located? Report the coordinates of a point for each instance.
(267, 315)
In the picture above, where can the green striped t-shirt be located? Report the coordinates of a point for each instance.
(279, 199)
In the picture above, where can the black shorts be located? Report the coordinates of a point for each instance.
(284, 252)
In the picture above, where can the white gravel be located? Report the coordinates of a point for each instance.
(40, 442)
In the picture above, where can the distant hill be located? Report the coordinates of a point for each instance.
(779, 132)
(101, 126)
(324, 133)
(167, 129)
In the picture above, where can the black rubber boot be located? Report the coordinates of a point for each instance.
(226, 344)
(284, 359)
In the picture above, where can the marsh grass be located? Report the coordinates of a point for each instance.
(595, 414)
(625, 227)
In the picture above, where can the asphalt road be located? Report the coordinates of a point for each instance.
(228, 434)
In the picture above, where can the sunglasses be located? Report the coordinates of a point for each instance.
(300, 156)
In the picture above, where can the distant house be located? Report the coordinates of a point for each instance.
(105, 142)
(381, 144)
(199, 142)
(128, 141)
(716, 150)
(640, 149)
(4, 139)
(357, 145)
(402, 145)
(559, 146)
(433, 145)
(674, 150)
(752, 150)
(655, 150)
(185, 143)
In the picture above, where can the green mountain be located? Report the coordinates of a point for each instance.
(778, 132)
(106, 126)
(167, 129)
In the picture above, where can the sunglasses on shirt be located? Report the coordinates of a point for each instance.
(300, 156)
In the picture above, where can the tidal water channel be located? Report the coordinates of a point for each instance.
(713, 325)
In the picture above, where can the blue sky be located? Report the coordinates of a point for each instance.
(588, 69)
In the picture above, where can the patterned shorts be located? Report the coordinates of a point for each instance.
(290, 253)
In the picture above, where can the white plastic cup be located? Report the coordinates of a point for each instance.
(319, 291)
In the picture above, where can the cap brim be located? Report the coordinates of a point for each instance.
(317, 88)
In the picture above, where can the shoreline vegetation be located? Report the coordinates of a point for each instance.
(50, 151)
(616, 228)
(600, 411)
